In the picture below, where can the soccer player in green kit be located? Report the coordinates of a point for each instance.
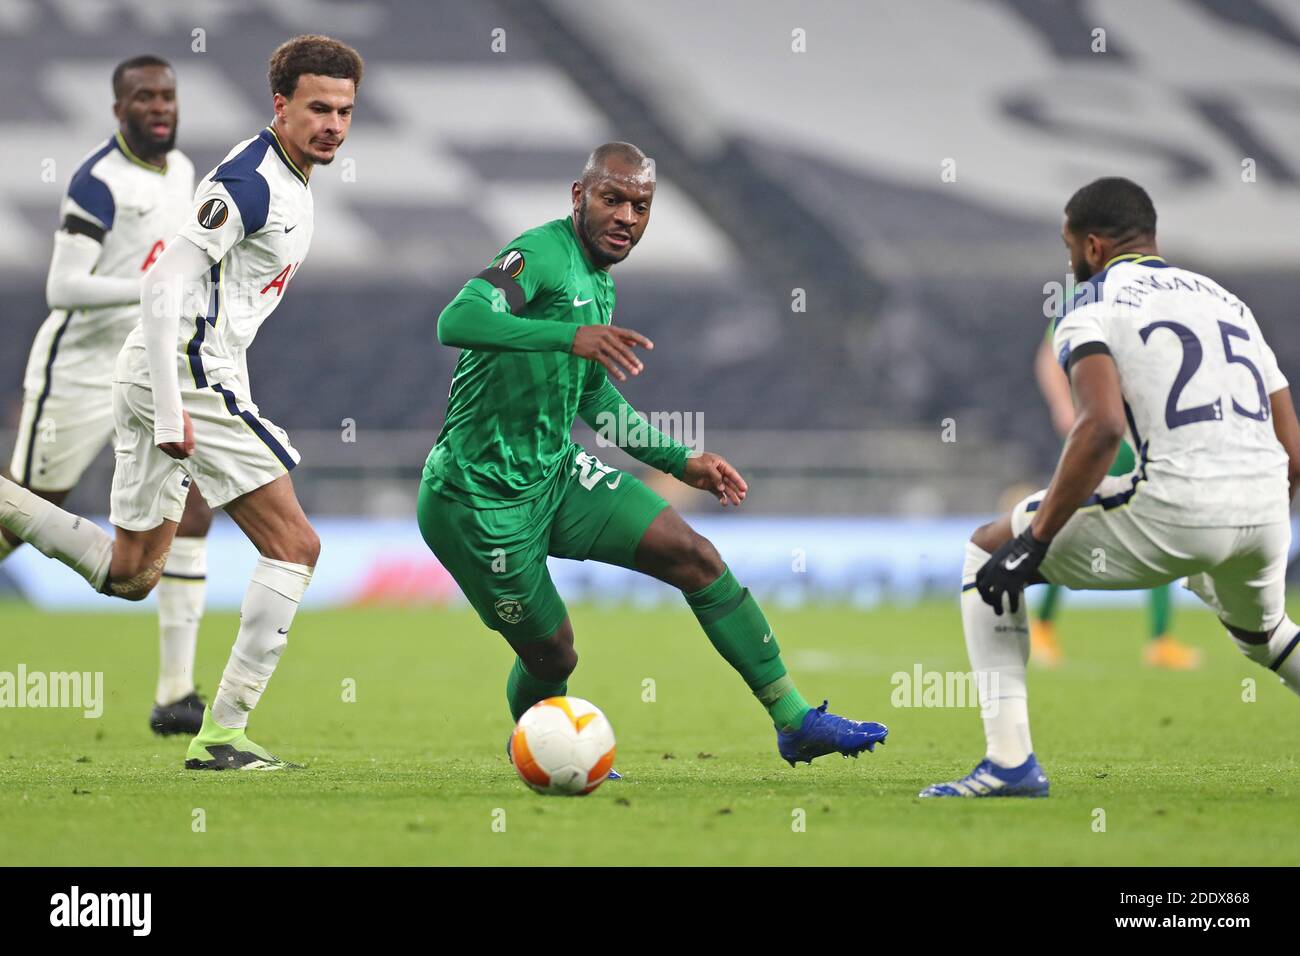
(505, 485)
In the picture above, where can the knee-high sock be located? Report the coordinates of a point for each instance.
(998, 646)
(56, 533)
(181, 593)
(523, 689)
(1281, 654)
(1047, 607)
(1158, 608)
(265, 618)
(736, 627)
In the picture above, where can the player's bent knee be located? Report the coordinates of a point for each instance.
(566, 663)
(704, 561)
(302, 547)
(993, 535)
(310, 548)
(552, 661)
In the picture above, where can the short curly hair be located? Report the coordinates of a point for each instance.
(312, 53)
(1113, 207)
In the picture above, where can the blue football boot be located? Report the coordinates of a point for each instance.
(990, 780)
(822, 733)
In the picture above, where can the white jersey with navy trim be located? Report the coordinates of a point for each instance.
(1196, 376)
(252, 215)
(132, 209)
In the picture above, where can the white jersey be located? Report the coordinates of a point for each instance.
(131, 208)
(252, 215)
(1196, 376)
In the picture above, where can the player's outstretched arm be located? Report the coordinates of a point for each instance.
(162, 299)
(1089, 448)
(1288, 432)
(71, 283)
(476, 319)
(479, 319)
(612, 417)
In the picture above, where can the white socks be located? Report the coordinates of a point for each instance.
(998, 646)
(76, 542)
(1281, 654)
(265, 618)
(181, 593)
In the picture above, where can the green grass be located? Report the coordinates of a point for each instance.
(413, 772)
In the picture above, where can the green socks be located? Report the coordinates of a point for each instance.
(1158, 607)
(523, 689)
(736, 627)
(785, 705)
(1047, 609)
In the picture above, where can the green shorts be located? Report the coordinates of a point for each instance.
(498, 555)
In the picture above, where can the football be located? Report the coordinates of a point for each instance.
(563, 746)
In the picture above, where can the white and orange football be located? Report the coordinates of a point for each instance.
(563, 746)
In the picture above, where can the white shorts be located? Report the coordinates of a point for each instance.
(236, 451)
(58, 438)
(1239, 572)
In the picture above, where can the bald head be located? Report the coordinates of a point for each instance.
(611, 202)
(618, 161)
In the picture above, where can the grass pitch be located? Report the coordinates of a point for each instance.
(1181, 768)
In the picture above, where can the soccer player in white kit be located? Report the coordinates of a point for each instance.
(123, 203)
(181, 398)
(1178, 363)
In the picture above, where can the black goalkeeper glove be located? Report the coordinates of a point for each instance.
(1009, 570)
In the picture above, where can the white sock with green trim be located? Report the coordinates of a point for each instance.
(265, 618)
(182, 591)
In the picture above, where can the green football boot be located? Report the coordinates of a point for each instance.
(220, 748)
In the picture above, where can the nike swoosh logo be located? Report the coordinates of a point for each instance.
(767, 638)
(289, 229)
(576, 302)
(1012, 565)
(283, 630)
(614, 484)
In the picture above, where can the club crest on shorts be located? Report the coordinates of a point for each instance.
(212, 214)
(510, 610)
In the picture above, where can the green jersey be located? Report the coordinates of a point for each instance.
(517, 388)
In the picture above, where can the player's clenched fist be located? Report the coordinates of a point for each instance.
(611, 347)
(1009, 569)
(181, 449)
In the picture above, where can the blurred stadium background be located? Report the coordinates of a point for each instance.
(901, 178)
